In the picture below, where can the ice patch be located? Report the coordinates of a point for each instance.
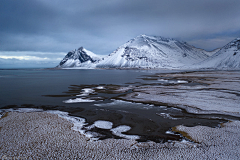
(115, 103)
(162, 107)
(182, 81)
(170, 132)
(93, 136)
(184, 141)
(125, 104)
(172, 81)
(118, 132)
(82, 95)
(163, 80)
(78, 100)
(100, 87)
(103, 124)
(166, 115)
(176, 109)
(86, 92)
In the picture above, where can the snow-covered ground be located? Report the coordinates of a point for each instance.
(206, 92)
(40, 135)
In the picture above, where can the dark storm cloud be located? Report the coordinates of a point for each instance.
(101, 26)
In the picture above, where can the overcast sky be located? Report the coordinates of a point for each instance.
(45, 30)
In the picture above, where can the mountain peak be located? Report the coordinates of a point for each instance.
(79, 58)
(81, 48)
(155, 38)
(226, 58)
(143, 35)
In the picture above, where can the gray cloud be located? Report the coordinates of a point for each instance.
(102, 26)
(16, 63)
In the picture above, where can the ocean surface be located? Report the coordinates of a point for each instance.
(28, 86)
(69, 91)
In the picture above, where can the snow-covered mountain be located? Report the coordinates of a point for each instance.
(80, 58)
(156, 52)
(227, 57)
(153, 52)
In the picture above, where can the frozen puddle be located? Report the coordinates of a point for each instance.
(78, 100)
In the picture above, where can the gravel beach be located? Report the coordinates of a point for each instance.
(42, 135)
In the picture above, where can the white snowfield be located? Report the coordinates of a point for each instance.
(150, 52)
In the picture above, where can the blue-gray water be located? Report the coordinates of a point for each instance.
(26, 86)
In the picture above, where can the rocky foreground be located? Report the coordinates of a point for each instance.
(41, 135)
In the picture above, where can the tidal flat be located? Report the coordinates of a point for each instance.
(191, 115)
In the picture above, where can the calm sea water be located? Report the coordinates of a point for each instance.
(26, 86)
(32, 87)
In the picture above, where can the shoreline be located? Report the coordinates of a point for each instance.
(38, 135)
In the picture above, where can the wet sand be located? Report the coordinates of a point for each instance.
(41, 135)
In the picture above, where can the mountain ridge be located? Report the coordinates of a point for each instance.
(228, 57)
(149, 52)
(153, 52)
